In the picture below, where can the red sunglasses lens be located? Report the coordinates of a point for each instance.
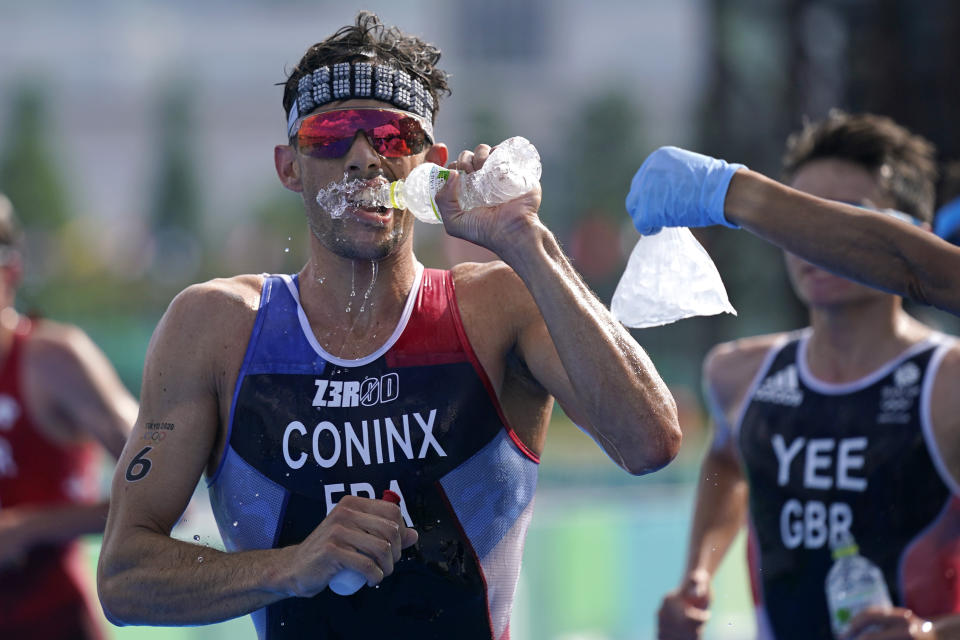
(330, 134)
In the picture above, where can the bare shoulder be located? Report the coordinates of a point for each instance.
(52, 341)
(491, 283)
(204, 332)
(60, 363)
(730, 367)
(494, 304)
(61, 351)
(214, 310)
(218, 299)
(945, 399)
(495, 307)
(945, 411)
(949, 372)
(485, 275)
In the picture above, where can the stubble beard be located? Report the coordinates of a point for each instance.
(335, 236)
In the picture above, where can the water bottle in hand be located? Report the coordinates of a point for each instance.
(512, 169)
(347, 582)
(853, 584)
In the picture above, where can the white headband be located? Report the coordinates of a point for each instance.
(360, 80)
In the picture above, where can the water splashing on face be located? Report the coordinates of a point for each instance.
(338, 196)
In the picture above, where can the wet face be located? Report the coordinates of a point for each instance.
(835, 180)
(342, 223)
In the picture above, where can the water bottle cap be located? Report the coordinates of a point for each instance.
(850, 549)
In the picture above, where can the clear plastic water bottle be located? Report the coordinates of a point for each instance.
(512, 170)
(853, 584)
(347, 582)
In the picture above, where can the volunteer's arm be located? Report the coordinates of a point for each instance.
(679, 188)
(872, 248)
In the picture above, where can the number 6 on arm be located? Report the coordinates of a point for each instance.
(139, 467)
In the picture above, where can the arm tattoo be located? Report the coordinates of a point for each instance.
(140, 466)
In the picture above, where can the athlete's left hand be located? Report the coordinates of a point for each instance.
(497, 228)
(890, 624)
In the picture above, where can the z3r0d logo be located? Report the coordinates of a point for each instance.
(351, 393)
(379, 390)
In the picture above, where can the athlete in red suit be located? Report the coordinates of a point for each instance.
(60, 400)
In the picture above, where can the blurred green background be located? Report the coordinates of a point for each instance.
(136, 144)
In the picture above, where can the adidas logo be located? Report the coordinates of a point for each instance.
(782, 387)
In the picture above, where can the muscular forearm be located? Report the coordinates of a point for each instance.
(152, 579)
(720, 513)
(869, 247)
(628, 407)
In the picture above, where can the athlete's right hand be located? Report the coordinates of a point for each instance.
(365, 535)
(679, 188)
(684, 611)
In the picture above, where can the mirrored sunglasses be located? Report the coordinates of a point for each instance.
(392, 133)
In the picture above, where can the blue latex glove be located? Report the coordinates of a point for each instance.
(679, 188)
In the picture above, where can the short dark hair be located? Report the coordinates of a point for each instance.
(903, 162)
(369, 40)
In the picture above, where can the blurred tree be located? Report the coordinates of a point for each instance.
(760, 69)
(595, 180)
(275, 240)
(175, 210)
(488, 126)
(611, 132)
(32, 177)
(776, 63)
(176, 196)
(747, 107)
(57, 239)
(30, 174)
(901, 61)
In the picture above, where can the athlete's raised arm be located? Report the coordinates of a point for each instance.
(565, 337)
